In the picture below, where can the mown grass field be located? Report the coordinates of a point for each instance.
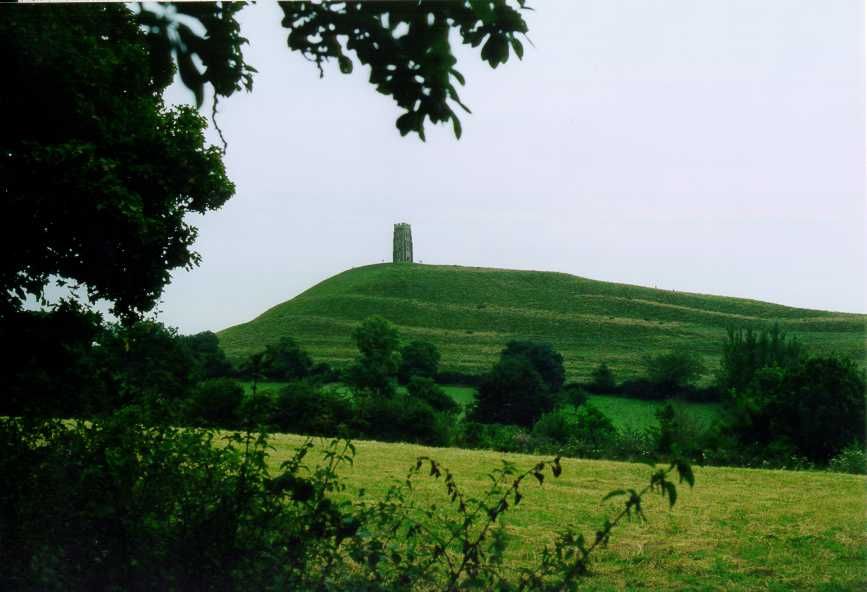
(470, 313)
(738, 529)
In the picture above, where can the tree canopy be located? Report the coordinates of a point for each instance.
(97, 175)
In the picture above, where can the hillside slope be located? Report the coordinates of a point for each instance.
(470, 313)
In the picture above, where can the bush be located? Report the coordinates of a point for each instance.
(593, 433)
(504, 438)
(572, 394)
(673, 370)
(418, 358)
(815, 409)
(303, 408)
(513, 393)
(458, 378)
(209, 357)
(403, 419)
(745, 352)
(378, 361)
(557, 426)
(851, 459)
(430, 392)
(215, 402)
(543, 357)
(286, 360)
(602, 380)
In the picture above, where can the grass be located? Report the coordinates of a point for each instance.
(637, 414)
(470, 313)
(739, 529)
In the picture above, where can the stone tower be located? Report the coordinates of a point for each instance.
(402, 251)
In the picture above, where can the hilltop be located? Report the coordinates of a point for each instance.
(471, 312)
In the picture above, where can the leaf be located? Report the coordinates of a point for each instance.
(539, 477)
(672, 493)
(345, 64)
(684, 473)
(517, 47)
(456, 124)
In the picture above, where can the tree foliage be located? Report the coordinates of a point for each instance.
(406, 44)
(96, 175)
(746, 351)
(815, 409)
(287, 360)
(547, 361)
(674, 370)
(513, 392)
(379, 359)
(418, 358)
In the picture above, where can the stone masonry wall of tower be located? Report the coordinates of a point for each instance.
(402, 250)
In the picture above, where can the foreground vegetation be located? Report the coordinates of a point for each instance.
(471, 313)
(738, 529)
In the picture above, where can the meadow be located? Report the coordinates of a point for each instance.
(471, 313)
(738, 529)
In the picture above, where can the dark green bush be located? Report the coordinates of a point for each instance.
(286, 360)
(215, 402)
(430, 392)
(557, 427)
(673, 370)
(418, 358)
(303, 407)
(403, 418)
(513, 393)
(571, 394)
(543, 357)
(602, 380)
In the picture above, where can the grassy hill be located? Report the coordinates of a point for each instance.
(470, 313)
(738, 529)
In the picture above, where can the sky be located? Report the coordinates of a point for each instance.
(712, 147)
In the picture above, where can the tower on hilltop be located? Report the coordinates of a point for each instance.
(402, 251)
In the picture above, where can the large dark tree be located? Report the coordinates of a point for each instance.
(547, 361)
(96, 175)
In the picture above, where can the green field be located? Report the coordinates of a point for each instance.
(470, 313)
(739, 529)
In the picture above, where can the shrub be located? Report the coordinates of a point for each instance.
(430, 392)
(513, 393)
(851, 459)
(572, 394)
(745, 352)
(602, 380)
(556, 426)
(673, 370)
(302, 407)
(815, 409)
(418, 358)
(543, 357)
(458, 378)
(376, 366)
(593, 432)
(209, 357)
(286, 360)
(403, 418)
(215, 402)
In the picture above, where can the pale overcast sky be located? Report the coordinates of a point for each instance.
(714, 147)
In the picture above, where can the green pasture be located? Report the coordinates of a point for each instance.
(470, 313)
(738, 529)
